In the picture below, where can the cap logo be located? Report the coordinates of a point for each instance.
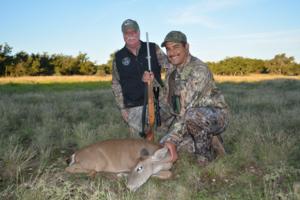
(126, 61)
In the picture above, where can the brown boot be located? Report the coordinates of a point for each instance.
(217, 146)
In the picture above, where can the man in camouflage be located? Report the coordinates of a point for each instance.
(193, 109)
(129, 65)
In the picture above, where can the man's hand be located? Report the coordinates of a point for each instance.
(124, 113)
(148, 76)
(173, 152)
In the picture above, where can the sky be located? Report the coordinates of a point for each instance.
(215, 29)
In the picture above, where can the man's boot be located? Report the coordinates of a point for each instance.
(217, 145)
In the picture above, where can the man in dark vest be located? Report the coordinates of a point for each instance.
(129, 66)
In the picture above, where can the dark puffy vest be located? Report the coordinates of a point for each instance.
(131, 69)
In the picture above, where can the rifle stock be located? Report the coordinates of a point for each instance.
(151, 114)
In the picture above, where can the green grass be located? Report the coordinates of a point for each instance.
(42, 124)
(53, 87)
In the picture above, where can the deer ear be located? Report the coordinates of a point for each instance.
(144, 153)
(160, 154)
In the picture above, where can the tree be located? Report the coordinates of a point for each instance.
(237, 66)
(5, 58)
(107, 68)
(280, 64)
(86, 67)
(65, 65)
(46, 66)
(20, 65)
(35, 66)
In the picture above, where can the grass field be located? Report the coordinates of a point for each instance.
(84, 79)
(43, 121)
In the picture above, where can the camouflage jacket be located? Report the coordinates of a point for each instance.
(116, 87)
(191, 85)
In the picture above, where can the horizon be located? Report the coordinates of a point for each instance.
(214, 29)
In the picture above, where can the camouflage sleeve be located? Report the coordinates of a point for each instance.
(175, 136)
(116, 87)
(199, 82)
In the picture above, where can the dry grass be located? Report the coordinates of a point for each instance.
(252, 78)
(72, 79)
(53, 79)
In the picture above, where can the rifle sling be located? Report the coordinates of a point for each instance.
(142, 133)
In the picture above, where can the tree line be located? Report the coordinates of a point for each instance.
(24, 64)
(280, 64)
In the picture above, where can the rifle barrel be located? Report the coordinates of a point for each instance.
(148, 52)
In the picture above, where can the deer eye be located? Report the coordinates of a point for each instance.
(139, 169)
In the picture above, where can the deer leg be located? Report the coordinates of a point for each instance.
(76, 168)
(92, 173)
(164, 174)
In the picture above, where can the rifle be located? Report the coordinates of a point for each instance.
(151, 115)
(157, 107)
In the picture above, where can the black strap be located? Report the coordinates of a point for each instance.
(157, 107)
(142, 133)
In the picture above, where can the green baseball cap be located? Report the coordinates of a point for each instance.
(174, 36)
(129, 23)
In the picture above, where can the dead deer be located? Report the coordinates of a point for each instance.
(156, 165)
(138, 158)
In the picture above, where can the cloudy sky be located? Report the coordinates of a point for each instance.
(215, 29)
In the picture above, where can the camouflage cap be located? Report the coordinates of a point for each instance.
(174, 36)
(129, 23)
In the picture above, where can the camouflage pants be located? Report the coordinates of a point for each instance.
(200, 125)
(135, 121)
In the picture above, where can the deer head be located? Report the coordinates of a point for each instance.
(147, 167)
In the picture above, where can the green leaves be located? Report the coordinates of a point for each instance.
(280, 64)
